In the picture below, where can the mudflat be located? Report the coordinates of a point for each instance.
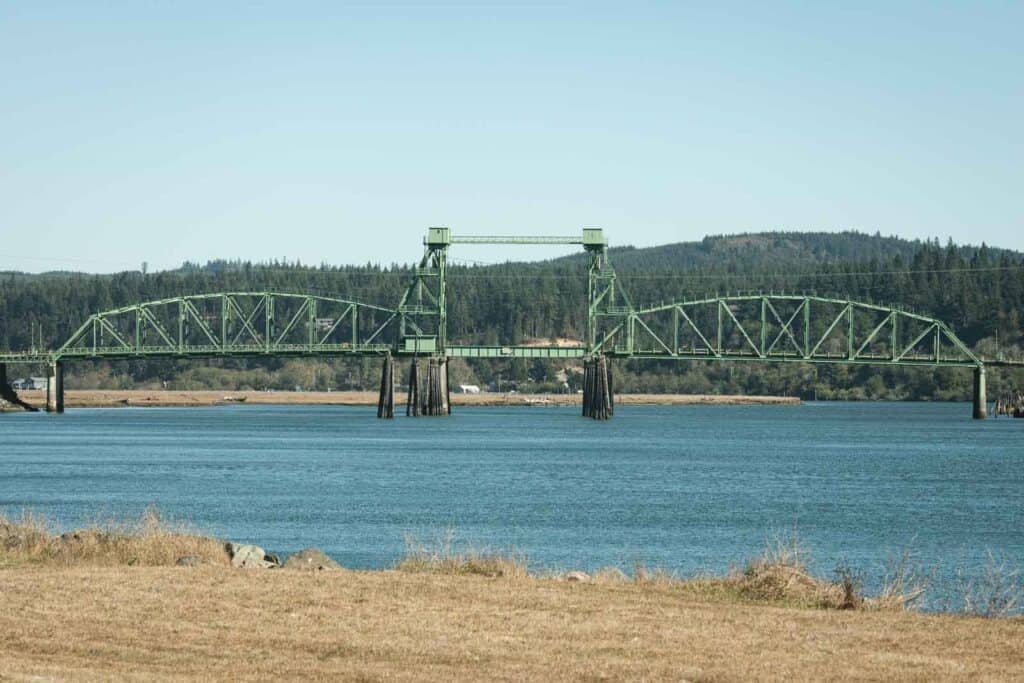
(95, 398)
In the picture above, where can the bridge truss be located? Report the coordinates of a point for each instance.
(761, 327)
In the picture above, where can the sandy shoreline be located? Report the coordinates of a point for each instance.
(97, 398)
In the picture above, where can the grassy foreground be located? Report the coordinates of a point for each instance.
(68, 611)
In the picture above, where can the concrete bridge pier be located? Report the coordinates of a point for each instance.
(980, 399)
(55, 387)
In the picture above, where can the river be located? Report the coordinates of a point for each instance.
(683, 488)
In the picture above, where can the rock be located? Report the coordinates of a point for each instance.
(311, 559)
(250, 557)
(577, 577)
(189, 561)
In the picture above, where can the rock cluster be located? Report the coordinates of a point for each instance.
(251, 557)
(247, 556)
(311, 559)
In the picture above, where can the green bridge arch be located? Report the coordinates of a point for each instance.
(233, 324)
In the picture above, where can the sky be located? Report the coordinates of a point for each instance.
(337, 133)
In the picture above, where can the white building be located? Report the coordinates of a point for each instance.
(469, 388)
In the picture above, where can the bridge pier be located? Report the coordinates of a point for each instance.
(980, 399)
(598, 391)
(55, 387)
(386, 402)
(429, 393)
(8, 393)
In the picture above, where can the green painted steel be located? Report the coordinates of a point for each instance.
(761, 327)
(234, 324)
(782, 328)
(516, 352)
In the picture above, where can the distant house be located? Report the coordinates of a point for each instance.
(29, 383)
(469, 388)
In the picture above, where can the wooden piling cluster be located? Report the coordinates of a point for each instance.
(1010, 405)
(386, 402)
(429, 393)
(598, 392)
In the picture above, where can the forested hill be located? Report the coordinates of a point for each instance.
(978, 290)
(735, 253)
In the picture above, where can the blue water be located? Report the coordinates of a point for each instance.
(683, 488)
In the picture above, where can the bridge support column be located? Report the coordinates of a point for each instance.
(429, 392)
(55, 387)
(598, 391)
(386, 402)
(980, 399)
(8, 393)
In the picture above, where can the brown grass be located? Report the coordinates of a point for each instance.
(218, 623)
(148, 541)
(72, 609)
(440, 557)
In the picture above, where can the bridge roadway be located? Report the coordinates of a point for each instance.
(745, 328)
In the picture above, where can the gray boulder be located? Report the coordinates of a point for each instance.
(189, 561)
(250, 557)
(311, 559)
(577, 577)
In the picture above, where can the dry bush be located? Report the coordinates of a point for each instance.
(441, 557)
(780, 576)
(997, 592)
(903, 583)
(147, 541)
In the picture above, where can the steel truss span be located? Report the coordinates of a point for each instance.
(233, 324)
(784, 328)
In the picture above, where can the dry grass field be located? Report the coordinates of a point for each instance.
(92, 623)
(102, 607)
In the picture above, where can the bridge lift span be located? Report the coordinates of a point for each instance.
(782, 328)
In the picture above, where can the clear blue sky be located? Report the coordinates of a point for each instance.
(338, 133)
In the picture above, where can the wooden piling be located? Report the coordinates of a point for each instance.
(429, 392)
(412, 403)
(598, 402)
(386, 402)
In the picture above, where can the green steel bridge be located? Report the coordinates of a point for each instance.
(780, 328)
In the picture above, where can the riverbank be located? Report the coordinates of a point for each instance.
(100, 605)
(97, 398)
